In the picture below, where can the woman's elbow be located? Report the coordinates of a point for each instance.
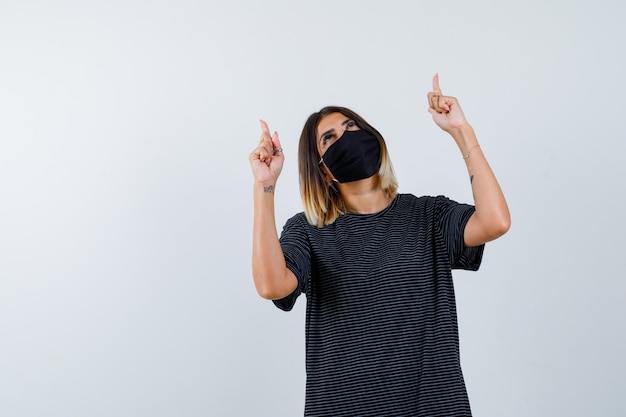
(500, 227)
(270, 289)
(486, 229)
(266, 292)
(263, 288)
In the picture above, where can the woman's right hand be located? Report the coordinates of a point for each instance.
(268, 158)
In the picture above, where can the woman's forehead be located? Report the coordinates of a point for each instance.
(331, 121)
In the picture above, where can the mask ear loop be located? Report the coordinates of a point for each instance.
(322, 162)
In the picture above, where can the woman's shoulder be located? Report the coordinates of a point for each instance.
(411, 199)
(298, 219)
(424, 205)
(424, 199)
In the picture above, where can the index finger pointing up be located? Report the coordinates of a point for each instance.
(436, 88)
(264, 127)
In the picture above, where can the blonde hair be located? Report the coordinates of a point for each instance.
(321, 199)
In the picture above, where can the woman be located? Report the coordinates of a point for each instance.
(381, 325)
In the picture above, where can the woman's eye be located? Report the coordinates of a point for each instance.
(326, 138)
(351, 123)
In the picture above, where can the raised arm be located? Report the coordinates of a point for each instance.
(491, 218)
(273, 280)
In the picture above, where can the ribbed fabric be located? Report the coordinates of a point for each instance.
(381, 325)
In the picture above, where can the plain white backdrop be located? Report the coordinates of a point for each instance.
(126, 205)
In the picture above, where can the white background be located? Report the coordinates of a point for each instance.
(126, 204)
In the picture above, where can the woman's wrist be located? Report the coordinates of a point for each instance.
(465, 138)
(265, 186)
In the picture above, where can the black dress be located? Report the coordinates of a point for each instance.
(381, 325)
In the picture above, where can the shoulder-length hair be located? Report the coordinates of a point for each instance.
(321, 198)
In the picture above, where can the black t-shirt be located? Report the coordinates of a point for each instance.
(381, 325)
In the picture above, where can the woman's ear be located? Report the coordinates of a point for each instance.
(328, 177)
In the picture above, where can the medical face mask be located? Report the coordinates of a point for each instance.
(353, 157)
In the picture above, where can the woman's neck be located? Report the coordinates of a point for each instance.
(365, 196)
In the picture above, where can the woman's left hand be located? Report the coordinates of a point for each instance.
(445, 110)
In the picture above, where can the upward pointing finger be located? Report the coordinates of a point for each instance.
(264, 127)
(266, 136)
(436, 88)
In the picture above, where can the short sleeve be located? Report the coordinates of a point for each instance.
(294, 242)
(451, 218)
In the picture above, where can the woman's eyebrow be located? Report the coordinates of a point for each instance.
(345, 122)
(326, 133)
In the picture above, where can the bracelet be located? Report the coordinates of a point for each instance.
(467, 155)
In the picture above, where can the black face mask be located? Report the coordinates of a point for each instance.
(353, 157)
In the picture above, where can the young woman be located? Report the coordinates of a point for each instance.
(375, 265)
